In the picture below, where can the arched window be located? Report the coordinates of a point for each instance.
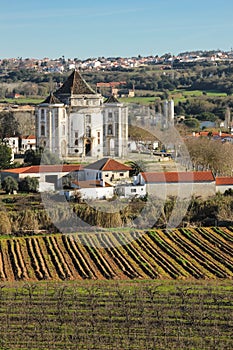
(110, 129)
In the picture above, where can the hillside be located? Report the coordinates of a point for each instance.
(157, 254)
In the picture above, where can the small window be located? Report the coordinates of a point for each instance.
(76, 142)
(42, 130)
(121, 174)
(76, 134)
(88, 131)
(42, 114)
(133, 190)
(88, 118)
(110, 115)
(106, 175)
(110, 130)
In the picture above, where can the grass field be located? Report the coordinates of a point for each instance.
(179, 95)
(139, 100)
(22, 101)
(124, 315)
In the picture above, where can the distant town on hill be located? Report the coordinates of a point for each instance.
(63, 64)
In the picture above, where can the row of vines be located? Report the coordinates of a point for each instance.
(170, 254)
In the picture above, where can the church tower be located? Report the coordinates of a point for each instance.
(74, 122)
(115, 128)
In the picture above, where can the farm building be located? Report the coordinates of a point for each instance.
(181, 184)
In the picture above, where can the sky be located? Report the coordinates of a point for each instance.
(111, 28)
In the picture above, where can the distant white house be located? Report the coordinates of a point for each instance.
(28, 142)
(94, 189)
(13, 143)
(18, 144)
(224, 183)
(50, 176)
(130, 190)
(180, 184)
(108, 170)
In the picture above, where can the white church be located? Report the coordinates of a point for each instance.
(75, 121)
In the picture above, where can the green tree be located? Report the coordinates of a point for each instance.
(136, 167)
(29, 184)
(192, 123)
(8, 125)
(5, 156)
(9, 184)
(40, 156)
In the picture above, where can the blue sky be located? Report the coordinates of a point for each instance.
(74, 28)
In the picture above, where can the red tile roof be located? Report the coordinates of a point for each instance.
(224, 180)
(29, 137)
(174, 177)
(113, 165)
(214, 133)
(34, 169)
(108, 164)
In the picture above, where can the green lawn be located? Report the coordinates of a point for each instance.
(139, 100)
(22, 101)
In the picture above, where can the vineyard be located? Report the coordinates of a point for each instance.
(157, 254)
(116, 315)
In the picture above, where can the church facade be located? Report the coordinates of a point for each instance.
(75, 121)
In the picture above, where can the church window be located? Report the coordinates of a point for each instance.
(110, 115)
(88, 118)
(63, 130)
(76, 134)
(88, 131)
(42, 130)
(42, 115)
(76, 142)
(98, 136)
(110, 129)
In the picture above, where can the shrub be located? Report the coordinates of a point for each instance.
(9, 185)
(29, 184)
(5, 224)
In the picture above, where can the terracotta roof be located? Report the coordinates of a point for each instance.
(52, 100)
(112, 99)
(174, 177)
(108, 164)
(76, 85)
(90, 184)
(224, 180)
(29, 137)
(34, 169)
(212, 134)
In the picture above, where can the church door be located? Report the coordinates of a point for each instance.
(88, 148)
